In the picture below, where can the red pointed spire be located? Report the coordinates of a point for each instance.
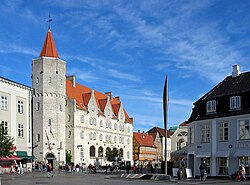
(49, 47)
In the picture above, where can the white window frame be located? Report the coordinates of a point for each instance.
(37, 106)
(235, 102)
(82, 134)
(5, 127)
(82, 118)
(191, 135)
(20, 106)
(205, 133)
(4, 102)
(223, 132)
(211, 106)
(20, 132)
(244, 129)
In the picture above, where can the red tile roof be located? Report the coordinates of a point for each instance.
(183, 124)
(161, 131)
(49, 47)
(144, 139)
(82, 96)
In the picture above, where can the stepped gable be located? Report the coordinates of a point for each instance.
(82, 96)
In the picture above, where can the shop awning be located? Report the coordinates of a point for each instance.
(222, 154)
(10, 158)
(203, 154)
(242, 153)
(24, 155)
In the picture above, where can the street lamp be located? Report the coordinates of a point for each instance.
(59, 152)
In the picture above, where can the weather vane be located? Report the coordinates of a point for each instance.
(50, 20)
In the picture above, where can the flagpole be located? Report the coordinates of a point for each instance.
(165, 113)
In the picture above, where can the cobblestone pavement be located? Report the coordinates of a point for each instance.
(38, 178)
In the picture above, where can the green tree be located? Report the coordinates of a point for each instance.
(6, 143)
(111, 154)
(68, 157)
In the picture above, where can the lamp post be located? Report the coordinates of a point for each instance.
(59, 157)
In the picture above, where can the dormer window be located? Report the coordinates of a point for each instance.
(235, 102)
(211, 106)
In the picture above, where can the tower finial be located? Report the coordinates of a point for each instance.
(50, 20)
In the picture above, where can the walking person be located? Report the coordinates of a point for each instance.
(243, 172)
(49, 170)
(203, 171)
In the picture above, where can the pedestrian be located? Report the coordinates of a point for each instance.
(243, 172)
(141, 168)
(135, 169)
(203, 171)
(49, 170)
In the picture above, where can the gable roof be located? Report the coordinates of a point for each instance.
(144, 139)
(82, 95)
(161, 131)
(229, 86)
(49, 47)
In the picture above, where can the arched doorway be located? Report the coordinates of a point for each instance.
(121, 153)
(100, 152)
(50, 157)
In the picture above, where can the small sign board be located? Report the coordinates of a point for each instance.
(175, 170)
(189, 173)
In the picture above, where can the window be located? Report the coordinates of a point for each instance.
(100, 152)
(94, 136)
(82, 118)
(5, 127)
(244, 126)
(100, 137)
(128, 129)
(101, 123)
(205, 133)
(82, 134)
(50, 122)
(90, 136)
(107, 138)
(235, 102)
(115, 126)
(115, 139)
(128, 141)
(37, 137)
(223, 165)
(121, 152)
(245, 161)
(94, 121)
(207, 162)
(4, 102)
(92, 151)
(68, 118)
(20, 106)
(37, 106)
(82, 153)
(191, 135)
(223, 131)
(128, 155)
(20, 130)
(211, 106)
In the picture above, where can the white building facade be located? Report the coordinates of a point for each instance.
(15, 114)
(71, 117)
(219, 127)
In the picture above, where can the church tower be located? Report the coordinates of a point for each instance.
(49, 84)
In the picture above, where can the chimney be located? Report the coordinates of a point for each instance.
(118, 98)
(72, 78)
(236, 71)
(109, 94)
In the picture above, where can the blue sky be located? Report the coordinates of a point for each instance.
(128, 47)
